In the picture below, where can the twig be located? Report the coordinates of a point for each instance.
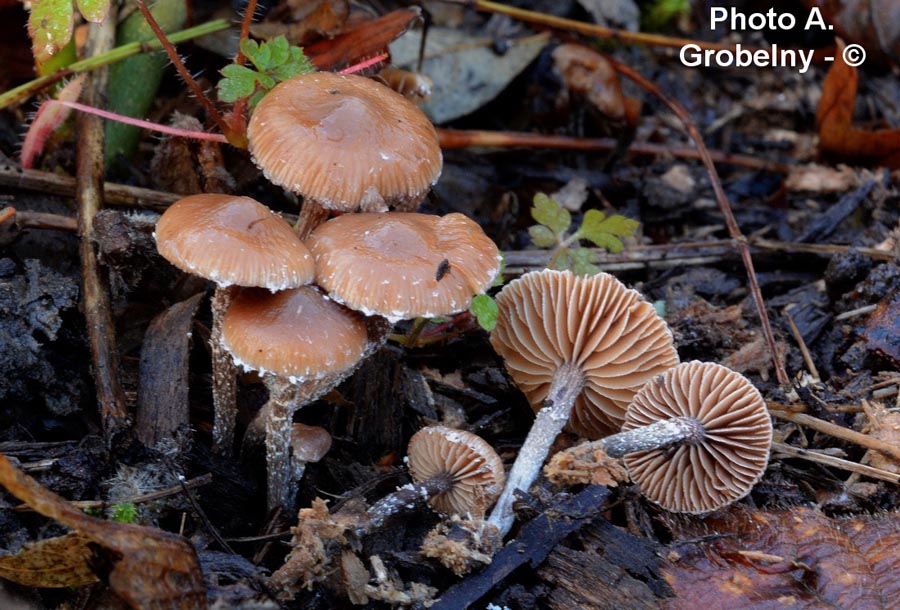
(859, 311)
(461, 138)
(204, 479)
(236, 139)
(836, 462)
(57, 184)
(26, 90)
(89, 196)
(804, 351)
(733, 229)
(839, 432)
(43, 220)
(591, 29)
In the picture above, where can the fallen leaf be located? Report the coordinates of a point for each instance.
(361, 40)
(882, 331)
(52, 563)
(146, 567)
(312, 20)
(815, 178)
(797, 559)
(466, 72)
(837, 136)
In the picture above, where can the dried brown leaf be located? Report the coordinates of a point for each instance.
(798, 559)
(361, 40)
(52, 563)
(146, 567)
(837, 136)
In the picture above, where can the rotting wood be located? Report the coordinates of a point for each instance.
(89, 196)
(535, 541)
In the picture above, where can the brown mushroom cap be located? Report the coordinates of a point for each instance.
(404, 265)
(610, 332)
(345, 141)
(233, 240)
(476, 468)
(309, 443)
(297, 334)
(698, 478)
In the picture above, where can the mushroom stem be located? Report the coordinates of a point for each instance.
(224, 376)
(312, 214)
(658, 435)
(278, 452)
(406, 498)
(550, 420)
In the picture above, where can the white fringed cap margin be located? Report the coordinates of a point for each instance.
(404, 265)
(233, 241)
(345, 141)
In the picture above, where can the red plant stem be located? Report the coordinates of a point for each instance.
(174, 131)
(365, 64)
(236, 139)
(734, 230)
(461, 138)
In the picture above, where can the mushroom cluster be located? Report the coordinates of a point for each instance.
(371, 268)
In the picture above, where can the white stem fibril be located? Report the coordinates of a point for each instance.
(658, 435)
(224, 376)
(549, 422)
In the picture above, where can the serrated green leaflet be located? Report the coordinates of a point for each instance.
(274, 61)
(547, 212)
(93, 10)
(485, 310)
(542, 237)
(50, 27)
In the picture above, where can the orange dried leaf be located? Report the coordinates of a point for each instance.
(52, 563)
(146, 567)
(362, 40)
(837, 136)
(798, 559)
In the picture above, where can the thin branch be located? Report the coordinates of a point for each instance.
(238, 140)
(460, 138)
(724, 206)
(89, 196)
(839, 432)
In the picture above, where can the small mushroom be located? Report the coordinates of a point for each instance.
(579, 347)
(404, 265)
(303, 344)
(309, 444)
(346, 143)
(695, 438)
(455, 471)
(231, 241)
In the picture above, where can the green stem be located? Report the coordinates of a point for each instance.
(23, 92)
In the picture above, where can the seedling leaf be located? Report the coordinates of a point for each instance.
(597, 227)
(485, 310)
(583, 260)
(272, 62)
(93, 10)
(542, 237)
(549, 213)
(239, 81)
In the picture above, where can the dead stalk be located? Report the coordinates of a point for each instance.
(89, 196)
(839, 432)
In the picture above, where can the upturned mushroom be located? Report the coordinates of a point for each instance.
(303, 344)
(455, 471)
(233, 241)
(345, 143)
(695, 439)
(404, 265)
(577, 347)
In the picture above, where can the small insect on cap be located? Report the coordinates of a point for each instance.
(727, 463)
(345, 141)
(233, 240)
(475, 467)
(404, 265)
(297, 334)
(609, 331)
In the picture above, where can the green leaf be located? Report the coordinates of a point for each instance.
(296, 65)
(498, 281)
(660, 307)
(547, 212)
(280, 49)
(250, 49)
(255, 99)
(485, 310)
(93, 10)
(50, 27)
(125, 512)
(583, 260)
(603, 231)
(239, 82)
(542, 237)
